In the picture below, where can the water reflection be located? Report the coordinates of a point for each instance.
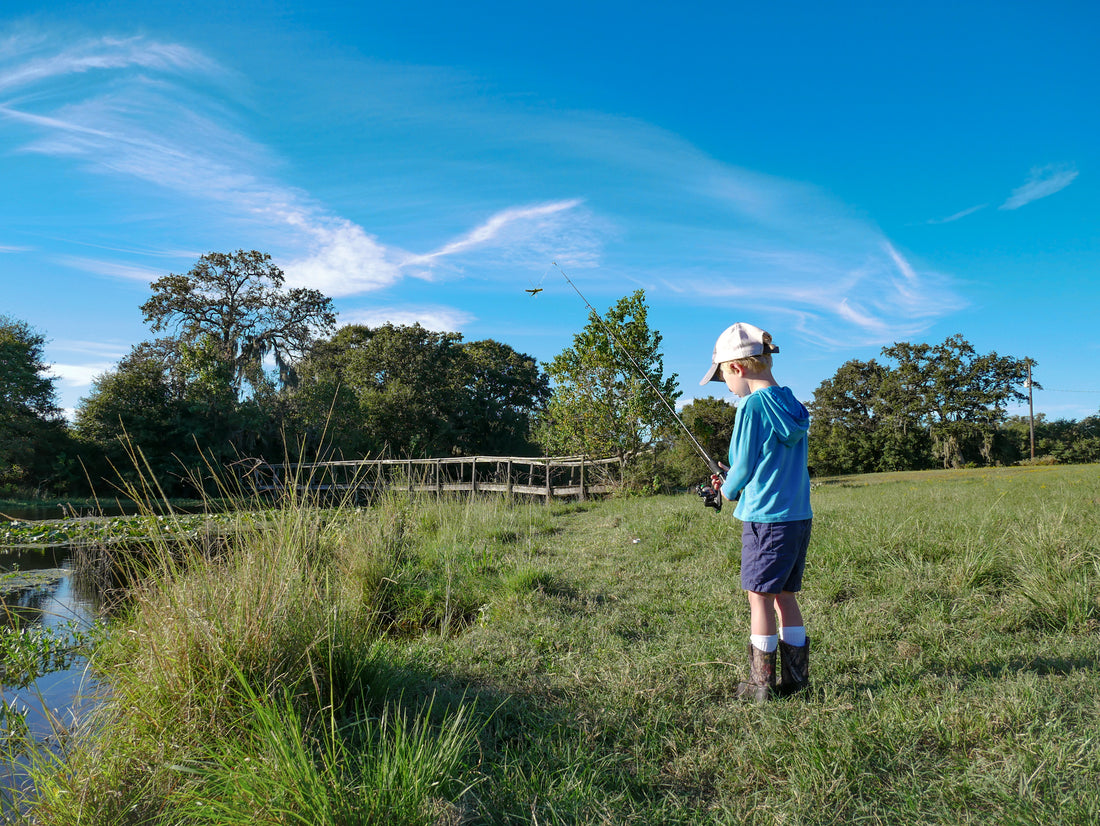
(54, 701)
(52, 595)
(34, 513)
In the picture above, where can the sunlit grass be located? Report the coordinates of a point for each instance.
(477, 661)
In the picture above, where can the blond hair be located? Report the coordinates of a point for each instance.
(754, 364)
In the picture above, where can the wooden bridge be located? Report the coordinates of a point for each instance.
(551, 478)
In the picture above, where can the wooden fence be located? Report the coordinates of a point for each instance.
(551, 478)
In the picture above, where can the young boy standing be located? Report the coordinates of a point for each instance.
(768, 478)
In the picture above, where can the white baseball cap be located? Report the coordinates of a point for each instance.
(738, 341)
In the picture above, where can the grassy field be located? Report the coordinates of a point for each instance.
(474, 662)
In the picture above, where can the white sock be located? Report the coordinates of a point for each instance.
(765, 642)
(793, 635)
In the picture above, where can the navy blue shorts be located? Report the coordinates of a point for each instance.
(773, 555)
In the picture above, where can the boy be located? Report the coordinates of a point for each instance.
(768, 472)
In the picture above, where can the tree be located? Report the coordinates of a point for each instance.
(32, 429)
(1061, 441)
(710, 421)
(505, 389)
(942, 403)
(139, 405)
(238, 302)
(860, 424)
(959, 395)
(846, 414)
(409, 391)
(322, 406)
(404, 378)
(171, 402)
(600, 404)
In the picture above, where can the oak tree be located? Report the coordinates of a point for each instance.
(238, 301)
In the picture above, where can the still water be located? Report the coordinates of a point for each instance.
(38, 512)
(55, 699)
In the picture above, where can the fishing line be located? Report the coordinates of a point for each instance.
(715, 468)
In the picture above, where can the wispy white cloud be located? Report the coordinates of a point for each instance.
(904, 267)
(30, 68)
(168, 135)
(958, 215)
(101, 349)
(111, 269)
(1043, 181)
(860, 292)
(4, 248)
(709, 229)
(498, 225)
(641, 203)
(343, 259)
(445, 319)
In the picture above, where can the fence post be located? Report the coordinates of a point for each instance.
(582, 497)
(473, 474)
(549, 491)
(508, 484)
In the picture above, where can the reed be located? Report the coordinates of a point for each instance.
(275, 641)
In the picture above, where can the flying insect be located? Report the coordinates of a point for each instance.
(537, 288)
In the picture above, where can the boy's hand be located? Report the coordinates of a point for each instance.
(717, 481)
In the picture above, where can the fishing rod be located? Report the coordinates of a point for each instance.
(715, 468)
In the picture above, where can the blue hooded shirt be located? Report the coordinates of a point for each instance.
(768, 458)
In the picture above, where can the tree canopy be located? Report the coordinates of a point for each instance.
(710, 420)
(31, 425)
(936, 404)
(408, 391)
(957, 393)
(237, 301)
(601, 405)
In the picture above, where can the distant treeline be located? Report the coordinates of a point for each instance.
(250, 369)
(940, 405)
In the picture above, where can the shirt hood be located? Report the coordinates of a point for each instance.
(786, 414)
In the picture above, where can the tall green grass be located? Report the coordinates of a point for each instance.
(478, 661)
(275, 639)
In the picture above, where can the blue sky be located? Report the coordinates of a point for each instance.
(844, 175)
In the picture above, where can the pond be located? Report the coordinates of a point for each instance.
(35, 512)
(44, 596)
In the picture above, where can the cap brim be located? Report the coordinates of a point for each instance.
(711, 375)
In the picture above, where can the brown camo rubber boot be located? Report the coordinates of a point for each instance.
(795, 664)
(761, 683)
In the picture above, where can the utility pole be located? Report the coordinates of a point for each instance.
(1030, 410)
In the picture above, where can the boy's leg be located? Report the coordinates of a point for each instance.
(773, 557)
(762, 648)
(794, 646)
(790, 614)
(761, 613)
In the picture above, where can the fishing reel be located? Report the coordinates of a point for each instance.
(711, 497)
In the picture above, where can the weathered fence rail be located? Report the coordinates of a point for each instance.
(551, 478)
